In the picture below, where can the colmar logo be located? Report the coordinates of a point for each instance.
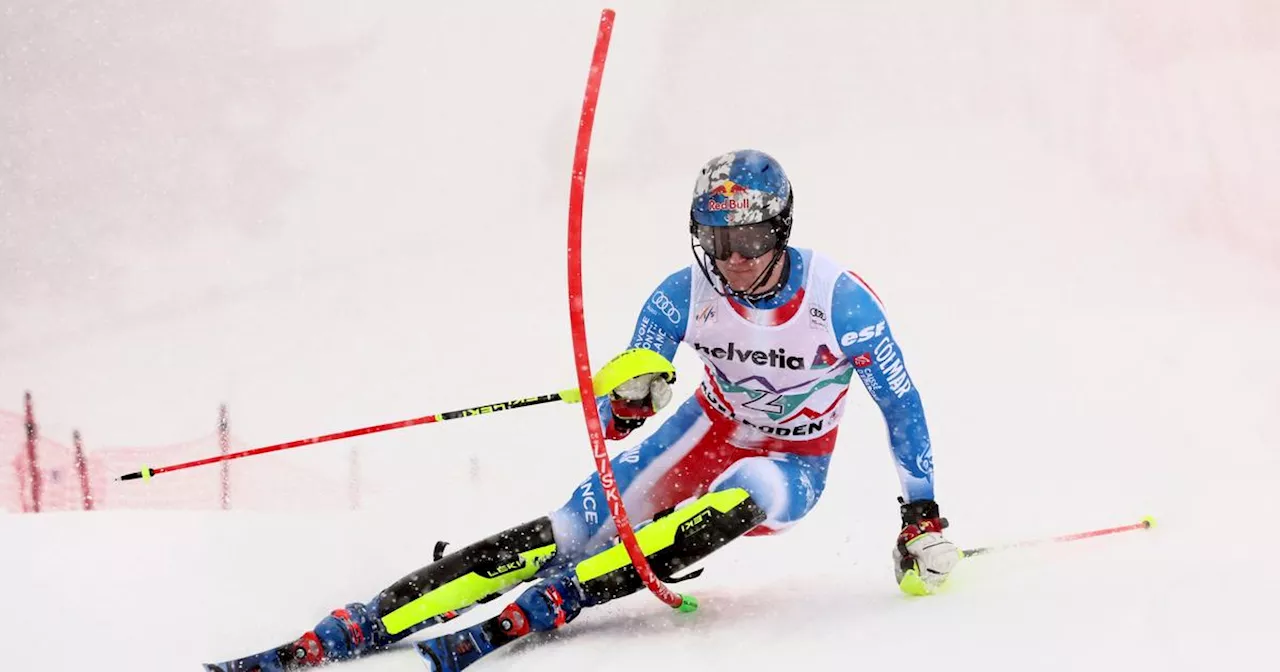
(863, 361)
(726, 190)
(891, 366)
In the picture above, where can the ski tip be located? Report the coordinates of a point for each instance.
(145, 474)
(688, 603)
(1148, 522)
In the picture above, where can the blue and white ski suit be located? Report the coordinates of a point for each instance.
(766, 413)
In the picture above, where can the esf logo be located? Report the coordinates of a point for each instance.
(863, 335)
(666, 306)
(776, 358)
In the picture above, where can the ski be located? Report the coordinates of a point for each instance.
(303, 653)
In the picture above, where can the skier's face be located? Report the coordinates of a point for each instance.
(748, 240)
(742, 273)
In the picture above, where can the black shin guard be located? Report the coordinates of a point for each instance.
(678, 540)
(476, 573)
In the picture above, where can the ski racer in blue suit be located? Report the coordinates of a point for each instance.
(782, 332)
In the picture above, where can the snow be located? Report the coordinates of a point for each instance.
(331, 216)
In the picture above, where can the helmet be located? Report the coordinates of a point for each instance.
(741, 203)
(742, 187)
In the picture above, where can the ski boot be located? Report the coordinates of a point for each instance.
(434, 594)
(677, 539)
(344, 634)
(545, 606)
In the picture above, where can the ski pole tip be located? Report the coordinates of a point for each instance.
(1148, 522)
(145, 475)
(688, 603)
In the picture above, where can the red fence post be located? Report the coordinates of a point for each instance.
(82, 468)
(33, 469)
(224, 446)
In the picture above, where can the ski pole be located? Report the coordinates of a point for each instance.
(147, 472)
(632, 363)
(1145, 524)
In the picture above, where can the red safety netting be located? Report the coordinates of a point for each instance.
(266, 484)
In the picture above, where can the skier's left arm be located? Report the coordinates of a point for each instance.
(867, 341)
(923, 558)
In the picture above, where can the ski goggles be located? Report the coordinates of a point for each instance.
(748, 240)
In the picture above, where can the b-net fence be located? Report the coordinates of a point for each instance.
(268, 483)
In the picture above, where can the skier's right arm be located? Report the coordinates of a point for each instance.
(660, 327)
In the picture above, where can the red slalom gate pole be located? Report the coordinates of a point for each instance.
(577, 323)
(1145, 524)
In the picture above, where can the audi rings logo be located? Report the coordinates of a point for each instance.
(666, 306)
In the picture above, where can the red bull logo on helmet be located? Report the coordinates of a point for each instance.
(728, 200)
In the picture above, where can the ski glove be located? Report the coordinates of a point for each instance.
(636, 400)
(922, 558)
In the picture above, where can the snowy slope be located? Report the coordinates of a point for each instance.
(331, 216)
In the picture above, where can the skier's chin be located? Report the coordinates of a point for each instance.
(741, 277)
(743, 281)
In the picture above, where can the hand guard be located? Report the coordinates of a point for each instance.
(636, 400)
(922, 558)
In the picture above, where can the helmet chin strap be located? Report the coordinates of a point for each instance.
(756, 292)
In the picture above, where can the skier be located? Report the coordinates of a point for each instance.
(782, 332)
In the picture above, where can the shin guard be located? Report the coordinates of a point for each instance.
(671, 543)
(477, 573)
